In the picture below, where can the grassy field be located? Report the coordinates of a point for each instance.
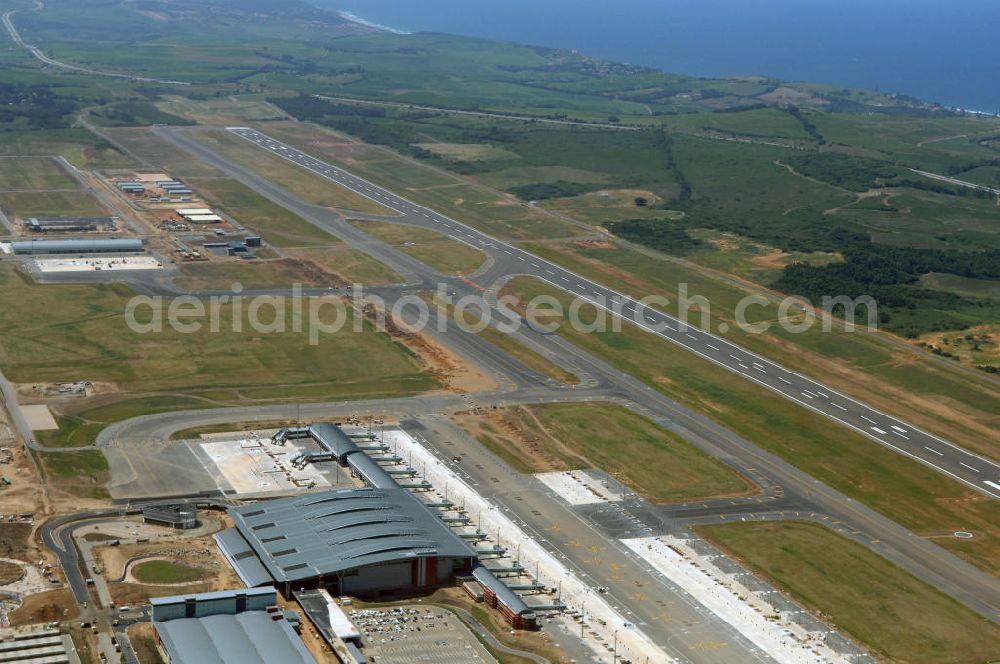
(528, 357)
(349, 265)
(79, 332)
(445, 192)
(33, 173)
(901, 618)
(909, 493)
(512, 346)
(254, 275)
(226, 111)
(25, 204)
(429, 247)
(80, 428)
(649, 459)
(274, 223)
(159, 153)
(82, 474)
(78, 146)
(960, 407)
(297, 180)
(165, 571)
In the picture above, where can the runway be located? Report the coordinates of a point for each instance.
(923, 558)
(973, 470)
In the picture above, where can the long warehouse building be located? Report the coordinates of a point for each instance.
(109, 246)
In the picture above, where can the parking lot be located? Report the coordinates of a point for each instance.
(415, 633)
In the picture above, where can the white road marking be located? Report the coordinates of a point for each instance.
(868, 419)
(877, 430)
(992, 484)
(931, 449)
(712, 347)
(837, 405)
(975, 470)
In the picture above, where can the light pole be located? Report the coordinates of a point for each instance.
(614, 654)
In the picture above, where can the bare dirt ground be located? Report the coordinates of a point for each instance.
(25, 491)
(507, 433)
(199, 550)
(454, 374)
(45, 607)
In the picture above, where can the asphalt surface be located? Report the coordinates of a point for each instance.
(787, 492)
(973, 470)
(952, 575)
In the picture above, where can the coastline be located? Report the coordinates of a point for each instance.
(354, 18)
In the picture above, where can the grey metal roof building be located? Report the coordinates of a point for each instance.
(357, 539)
(245, 638)
(110, 246)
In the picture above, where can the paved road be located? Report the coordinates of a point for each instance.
(973, 470)
(957, 182)
(480, 114)
(38, 54)
(926, 560)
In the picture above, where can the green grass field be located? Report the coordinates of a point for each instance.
(429, 247)
(253, 275)
(82, 474)
(348, 265)
(150, 148)
(910, 493)
(960, 407)
(167, 572)
(33, 173)
(611, 438)
(445, 192)
(528, 357)
(25, 204)
(299, 181)
(79, 332)
(274, 223)
(901, 618)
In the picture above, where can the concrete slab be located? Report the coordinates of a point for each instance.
(577, 487)
(726, 597)
(39, 417)
(96, 264)
(254, 466)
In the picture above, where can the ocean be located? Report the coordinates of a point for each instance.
(944, 51)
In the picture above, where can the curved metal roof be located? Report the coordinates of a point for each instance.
(76, 246)
(335, 531)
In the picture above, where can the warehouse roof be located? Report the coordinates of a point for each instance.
(335, 531)
(251, 637)
(75, 246)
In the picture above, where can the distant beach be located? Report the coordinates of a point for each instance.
(936, 51)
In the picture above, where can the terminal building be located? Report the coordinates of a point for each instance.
(109, 246)
(356, 541)
(350, 541)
